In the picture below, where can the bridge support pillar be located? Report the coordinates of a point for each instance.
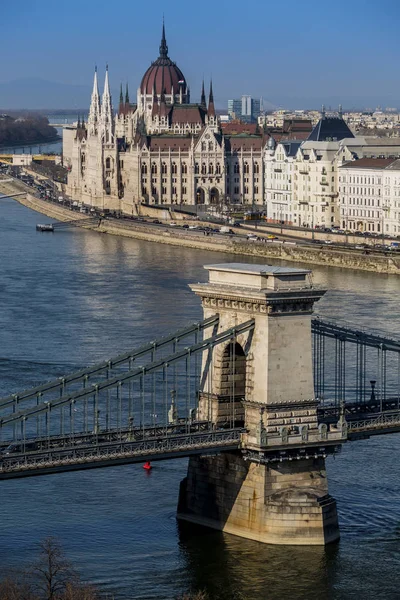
(274, 489)
(287, 503)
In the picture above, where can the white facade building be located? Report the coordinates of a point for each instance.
(369, 195)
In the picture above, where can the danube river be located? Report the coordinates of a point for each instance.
(74, 297)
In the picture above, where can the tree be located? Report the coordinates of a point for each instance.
(53, 574)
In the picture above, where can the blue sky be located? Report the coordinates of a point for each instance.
(288, 52)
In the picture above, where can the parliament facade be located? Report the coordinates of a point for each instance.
(163, 149)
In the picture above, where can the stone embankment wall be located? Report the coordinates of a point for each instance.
(326, 256)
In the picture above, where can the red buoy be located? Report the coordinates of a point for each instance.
(147, 465)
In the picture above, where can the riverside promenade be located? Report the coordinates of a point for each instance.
(312, 255)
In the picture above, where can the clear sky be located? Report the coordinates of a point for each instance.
(289, 52)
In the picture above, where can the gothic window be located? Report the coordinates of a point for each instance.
(218, 169)
(210, 146)
(236, 189)
(196, 168)
(144, 169)
(236, 168)
(164, 168)
(154, 190)
(246, 168)
(184, 190)
(256, 168)
(211, 169)
(154, 169)
(144, 190)
(121, 164)
(246, 190)
(174, 169)
(203, 169)
(227, 169)
(203, 146)
(174, 190)
(108, 163)
(83, 158)
(164, 189)
(256, 189)
(184, 169)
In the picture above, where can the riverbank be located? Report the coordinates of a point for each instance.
(27, 144)
(325, 256)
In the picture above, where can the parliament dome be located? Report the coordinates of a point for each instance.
(163, 75)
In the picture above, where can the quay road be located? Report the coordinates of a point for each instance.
(247, 231)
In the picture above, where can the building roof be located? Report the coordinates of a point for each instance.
(236, 127)
(168, 142)
(370, 163)
(244, 141)
(330, 129)
(187, 113)
(291, 147)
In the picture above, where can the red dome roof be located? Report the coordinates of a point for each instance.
(163, 74)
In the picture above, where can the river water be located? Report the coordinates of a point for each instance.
(74, 297)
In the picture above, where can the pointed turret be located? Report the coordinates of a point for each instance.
(203, 96)
(121, 108)
(127, 96)
(211, 108)
(107, 111)
(94, 112)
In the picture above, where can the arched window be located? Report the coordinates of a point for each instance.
(210, 146)
(144, 169)
(108, 163)
(211, 169)
(184, 168)
(203, 169)
(203, 146)
(154, 169)
(246, 168)
(164, 168)
(218, 169)
(256, 168)
(174, 169)
(83, 158)
(196, 168)
(236, 168)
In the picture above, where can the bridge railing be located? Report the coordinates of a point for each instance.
(358, 368)
(156, 399)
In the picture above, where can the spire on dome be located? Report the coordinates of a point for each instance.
(163, 45)
(203, 96)
(211, 109)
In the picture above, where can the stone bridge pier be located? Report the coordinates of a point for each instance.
(274, 489)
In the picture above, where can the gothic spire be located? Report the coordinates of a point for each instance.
(211, 109)
(127, 95)
(94, 112)
(203, 96)
(106, 110)
(121, 96)
(163, 45)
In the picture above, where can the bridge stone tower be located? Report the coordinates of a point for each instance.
(274, 489)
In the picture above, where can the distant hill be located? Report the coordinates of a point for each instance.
(34, 93)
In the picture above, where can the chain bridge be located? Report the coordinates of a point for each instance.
(257, 394)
